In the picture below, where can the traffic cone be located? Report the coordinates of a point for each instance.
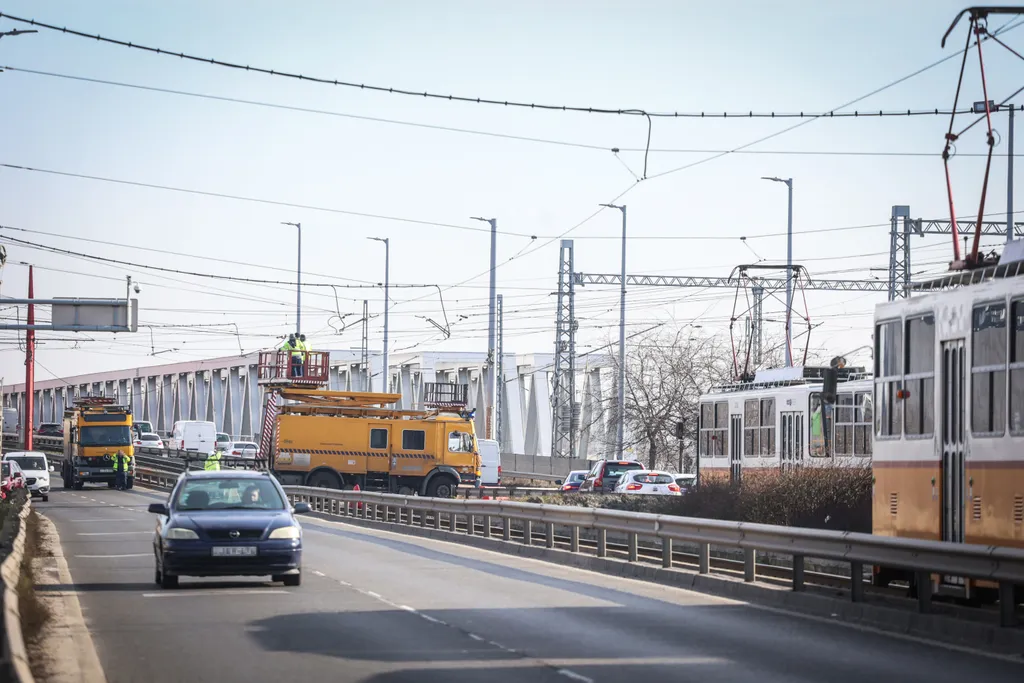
(359, 506)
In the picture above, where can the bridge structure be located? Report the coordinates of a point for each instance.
(225, 391)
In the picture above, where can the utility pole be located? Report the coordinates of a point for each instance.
(365, 349)
(30, 366)
(1009, 180)
(387, 270)
(499, 426)
(491, 430)
(298, 281)
(789, 271)
(621, 417)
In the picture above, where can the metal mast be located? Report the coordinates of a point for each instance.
(364, 361)
(499, 401)
(563, 440)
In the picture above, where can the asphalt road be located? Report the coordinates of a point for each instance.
(383, 608)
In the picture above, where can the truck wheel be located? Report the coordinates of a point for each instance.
(441, 486)
(324, 480)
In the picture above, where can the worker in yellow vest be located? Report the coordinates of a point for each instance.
(293, 347)
(212, 463)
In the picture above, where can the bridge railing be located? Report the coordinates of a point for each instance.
(1002, 566)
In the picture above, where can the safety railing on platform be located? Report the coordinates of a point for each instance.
(1003, 566)
(282, 367)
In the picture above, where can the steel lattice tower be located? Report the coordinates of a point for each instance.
(563, 395)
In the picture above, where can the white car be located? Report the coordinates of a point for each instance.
(648, 482)
(243, 449)
(36, 470)
(148, 440)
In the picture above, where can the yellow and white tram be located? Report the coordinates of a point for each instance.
(779, 420)
(949, 411)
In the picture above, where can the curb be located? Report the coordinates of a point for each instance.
(11, 571)
(927, 627)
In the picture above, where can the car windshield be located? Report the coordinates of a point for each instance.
(31, 462)
(6, 469)
(105, 435)
(615, 469)
(228, 493)
(150, 437)
(653, 478)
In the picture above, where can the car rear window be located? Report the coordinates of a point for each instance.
(615, 469)
(577, 476)
(150, 437)
(242, 446)
(653, 479)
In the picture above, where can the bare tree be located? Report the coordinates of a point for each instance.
(666, 373)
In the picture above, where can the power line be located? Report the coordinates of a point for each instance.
(425, 94)
(526, 138)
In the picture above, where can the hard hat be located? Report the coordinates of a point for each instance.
(291, 336)
(302, 337)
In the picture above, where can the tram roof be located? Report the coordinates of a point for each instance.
(789, 377)
(1010, 265)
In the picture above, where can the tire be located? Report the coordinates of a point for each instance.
(46, 498)
(292, 580)
(111, 484)
(441, 486)
(324, 480)
(166, 580)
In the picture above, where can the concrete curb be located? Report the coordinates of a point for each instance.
(11, 571)
(929, 627)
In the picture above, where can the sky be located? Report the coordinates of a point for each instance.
(354, 164)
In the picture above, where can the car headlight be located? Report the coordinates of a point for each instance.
(286, 532)
(180, 534)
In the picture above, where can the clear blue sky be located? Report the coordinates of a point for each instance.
(682, 56)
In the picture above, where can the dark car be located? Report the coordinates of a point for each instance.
(235, 523)
(572, 481)
(51, 429)
(603, 476)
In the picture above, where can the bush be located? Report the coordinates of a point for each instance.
(837, 498)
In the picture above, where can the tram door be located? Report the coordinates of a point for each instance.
(953, 417)
(792, 451)
(735, 448)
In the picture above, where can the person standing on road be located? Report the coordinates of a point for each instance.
(120, 470)
(212, 463)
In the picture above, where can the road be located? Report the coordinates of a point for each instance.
(383, 608)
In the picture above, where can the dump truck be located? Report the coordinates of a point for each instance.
(95, 429)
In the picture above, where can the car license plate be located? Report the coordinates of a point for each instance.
(106, 470)
(234, 551)
(657, 489)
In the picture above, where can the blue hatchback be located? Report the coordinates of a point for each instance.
(228, 523)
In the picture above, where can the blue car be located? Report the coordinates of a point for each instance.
(228, 523)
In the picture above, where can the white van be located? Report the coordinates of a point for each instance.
(490, 462)
(11, 420)
(193, 435)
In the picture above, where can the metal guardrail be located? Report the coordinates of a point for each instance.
(1004, 566)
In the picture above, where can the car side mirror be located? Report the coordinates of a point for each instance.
(301, 508)
(158, 509)
(52, 469)
(558, 482)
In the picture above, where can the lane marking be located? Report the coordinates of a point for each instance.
(94, 557)
(475, 637)
(575, 676)
(213, 591)
(318, 573)
(114, 533)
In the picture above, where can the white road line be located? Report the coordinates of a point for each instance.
(213, 592)
(475, 637)
(114, 533)
(408, 609)
(374, 595)
(96, 557)
(431, 619)
(575, 676)
(318, 573)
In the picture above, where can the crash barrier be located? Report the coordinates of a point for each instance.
(14, 664)
(1003, 566)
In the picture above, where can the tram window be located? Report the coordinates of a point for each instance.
(1017, 368)
(888, 349)
(714, 432)
(889, 413)
(920, 406)
(768, 426)
(821, 427)
(988, 369)
(920, 344)
(751, 427)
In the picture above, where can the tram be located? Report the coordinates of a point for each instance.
(949, 413)
(779, 420)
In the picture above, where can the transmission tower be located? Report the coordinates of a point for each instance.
(563, 400)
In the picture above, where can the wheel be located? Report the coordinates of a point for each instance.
(79, 485)
(441, 486)
(111, 484)
(324, 480)
(292, 579)
(166, 580)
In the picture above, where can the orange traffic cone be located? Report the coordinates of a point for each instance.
(359, 506)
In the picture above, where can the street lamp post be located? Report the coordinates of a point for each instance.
(789, 270)
(492, 388)
(620, 427)
(387, 270)
(298, 281)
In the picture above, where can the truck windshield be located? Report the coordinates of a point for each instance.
(105, 435)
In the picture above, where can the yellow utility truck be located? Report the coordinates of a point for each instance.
(95, 429)
(343, 439)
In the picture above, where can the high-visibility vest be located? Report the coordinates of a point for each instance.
(120, 462)
(295, 350)
(212, 463)
(304, 345)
